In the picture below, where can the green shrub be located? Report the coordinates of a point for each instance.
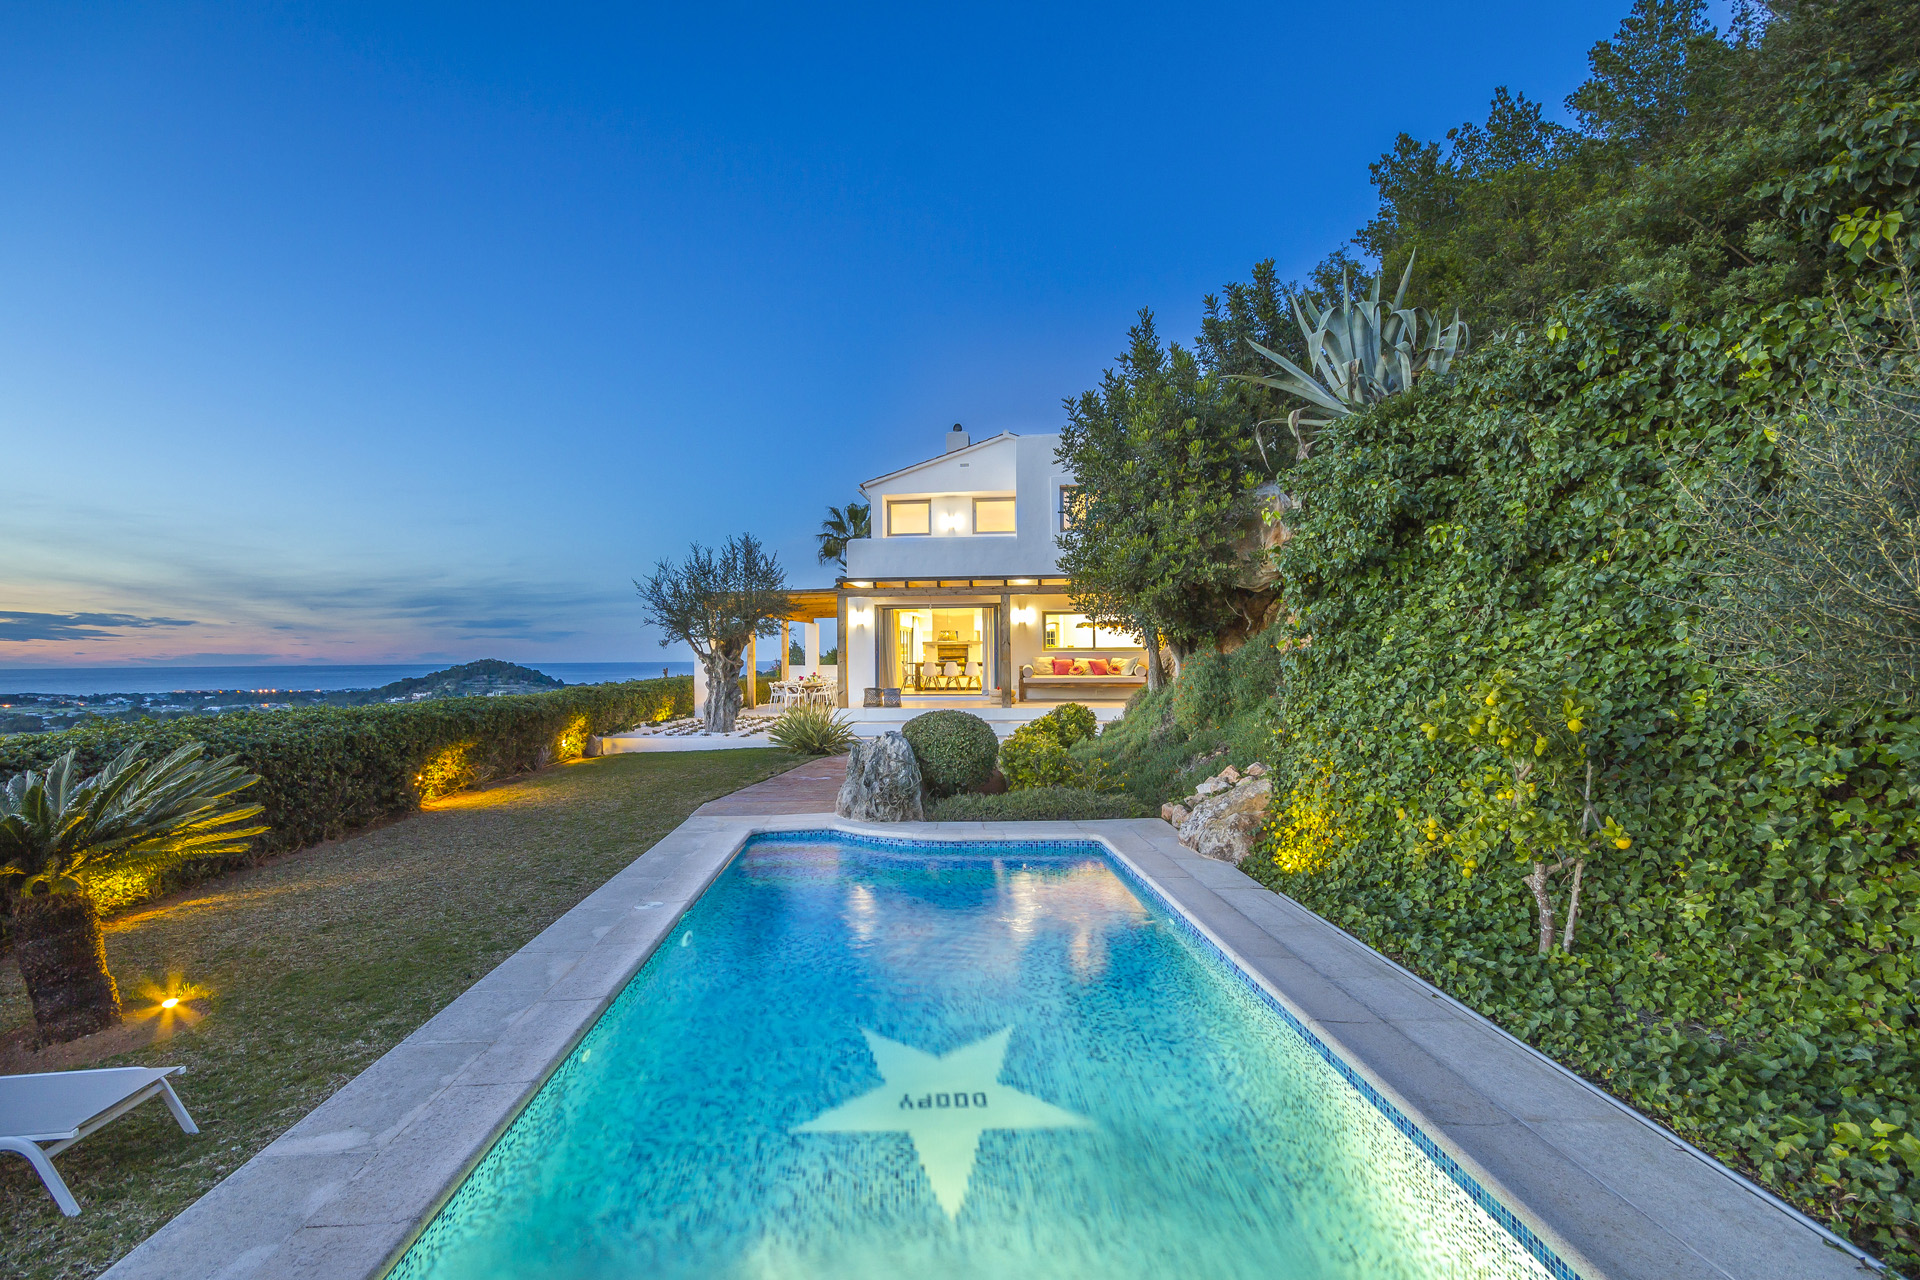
(1038, 804)
(1203, 695)
(812, 730)
(1160, 761)
(956, 750)
(1066, 724)
(326, 771)
(1033, 757)
(1254, 670)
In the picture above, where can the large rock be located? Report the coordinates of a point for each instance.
(883, 781)
(1225, 826)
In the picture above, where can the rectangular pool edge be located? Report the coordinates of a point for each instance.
(346, 1190)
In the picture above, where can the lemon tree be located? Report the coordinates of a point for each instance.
(1526, 795)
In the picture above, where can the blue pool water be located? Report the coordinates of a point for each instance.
(863, 1059)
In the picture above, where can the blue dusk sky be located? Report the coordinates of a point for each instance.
(409, 332)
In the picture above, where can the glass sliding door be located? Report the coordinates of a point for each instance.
(940, 651)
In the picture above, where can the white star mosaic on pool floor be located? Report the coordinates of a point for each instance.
(944, 1104)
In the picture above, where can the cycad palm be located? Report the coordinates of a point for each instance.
(843, 525)
(132, 815)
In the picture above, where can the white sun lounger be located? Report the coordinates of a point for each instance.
(42, 1115)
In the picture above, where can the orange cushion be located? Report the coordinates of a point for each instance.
(1096, 666)
(1063, 666)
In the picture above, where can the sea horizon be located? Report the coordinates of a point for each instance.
(322, 677)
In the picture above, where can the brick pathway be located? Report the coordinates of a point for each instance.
(811, 788)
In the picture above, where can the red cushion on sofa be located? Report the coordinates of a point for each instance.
(1063, 666)
(1096, 666)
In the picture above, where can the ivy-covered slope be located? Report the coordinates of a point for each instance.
(1747, 970)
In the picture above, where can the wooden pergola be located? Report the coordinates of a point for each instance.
(809, 605)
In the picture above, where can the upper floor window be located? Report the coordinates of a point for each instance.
(1069, 505)
(993, 515)
(909, 516)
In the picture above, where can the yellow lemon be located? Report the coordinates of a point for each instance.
(1623, 842)
(1574, 725)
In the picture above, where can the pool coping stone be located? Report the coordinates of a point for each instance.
(343, 1193)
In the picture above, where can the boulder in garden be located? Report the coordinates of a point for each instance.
(883, 781)
(1225, 826)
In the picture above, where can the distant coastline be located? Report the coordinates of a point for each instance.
(326, 678)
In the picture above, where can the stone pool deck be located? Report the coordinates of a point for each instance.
(343, 1192)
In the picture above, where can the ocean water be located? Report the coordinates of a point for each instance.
(139, 679)
(857, 1059)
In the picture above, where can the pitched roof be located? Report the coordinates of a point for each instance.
(978, 444)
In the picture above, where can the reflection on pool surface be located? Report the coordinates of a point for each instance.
(868, 1059)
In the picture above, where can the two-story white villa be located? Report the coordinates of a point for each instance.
(957, 599)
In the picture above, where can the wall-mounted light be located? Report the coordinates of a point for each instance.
(859, 617)
(954, 521)
(1024, 615)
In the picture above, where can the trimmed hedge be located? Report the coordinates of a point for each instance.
(956, 750)
(1038, 804)
(326, 771)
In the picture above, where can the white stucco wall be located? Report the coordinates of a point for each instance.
(1021, 465)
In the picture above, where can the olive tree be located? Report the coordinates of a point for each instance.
(715, 601)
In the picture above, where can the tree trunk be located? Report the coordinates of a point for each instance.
(723, 690)
(63, 959)
(1155, 676)
(1538, 883)
(1573, 906)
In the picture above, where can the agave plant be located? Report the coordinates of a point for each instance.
(132, 815)
(1361, 354)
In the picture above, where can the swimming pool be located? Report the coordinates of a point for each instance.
(859, 1057)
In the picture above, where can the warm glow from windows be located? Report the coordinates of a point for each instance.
(1069, 505)
(1073, 631)
(993, 515)
(909, 517)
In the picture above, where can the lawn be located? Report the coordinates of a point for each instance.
(317, 963)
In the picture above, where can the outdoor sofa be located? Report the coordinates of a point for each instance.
(1084, 676)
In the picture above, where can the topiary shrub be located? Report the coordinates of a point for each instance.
(1203, 695)
(956, 750)
(1038, 804)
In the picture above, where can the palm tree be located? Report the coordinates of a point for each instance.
(130, 816)
(843, 525)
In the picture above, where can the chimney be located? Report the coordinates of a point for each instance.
(957, 438)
